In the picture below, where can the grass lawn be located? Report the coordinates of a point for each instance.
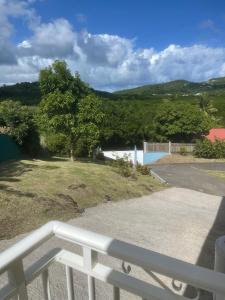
(35, 191)
(219, 174)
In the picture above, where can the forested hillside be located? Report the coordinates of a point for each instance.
(215, 85)
(25, 92)
(131, 114)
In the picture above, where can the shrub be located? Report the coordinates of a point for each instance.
(143, 170)
(81, 148)
(183, 151)
(122, 166)
(207, 149)
(57, 143)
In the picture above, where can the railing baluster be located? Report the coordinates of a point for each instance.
(116, 293)
(91, 288)
(69, 280)
(17, 278)
(46, 285)
(90, 260)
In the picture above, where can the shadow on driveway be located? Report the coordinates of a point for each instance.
(207, 254)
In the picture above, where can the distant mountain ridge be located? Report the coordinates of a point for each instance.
(177, 87)
(29, 93)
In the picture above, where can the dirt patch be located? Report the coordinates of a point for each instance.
(77, 186)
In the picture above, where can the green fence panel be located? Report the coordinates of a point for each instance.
(8, 148)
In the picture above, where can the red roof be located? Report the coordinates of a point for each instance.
(216, 134)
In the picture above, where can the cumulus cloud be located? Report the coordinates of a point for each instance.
(105, 61)
(51, 40)
(13, 9)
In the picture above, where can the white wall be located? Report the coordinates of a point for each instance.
(121, 154)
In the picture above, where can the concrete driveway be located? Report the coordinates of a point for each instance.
(195, 176)
(177, 222)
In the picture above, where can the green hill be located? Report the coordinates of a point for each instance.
(26, 92)
(29, 93)
(177, 87)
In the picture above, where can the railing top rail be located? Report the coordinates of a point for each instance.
(177, 269)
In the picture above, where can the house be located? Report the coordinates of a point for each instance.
(216, 134)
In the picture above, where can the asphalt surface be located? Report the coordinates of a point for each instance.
(177, 222)
(193, 176)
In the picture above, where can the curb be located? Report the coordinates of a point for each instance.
(156, 176)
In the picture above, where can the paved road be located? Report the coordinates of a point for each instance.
(177, 222)
(194, 176)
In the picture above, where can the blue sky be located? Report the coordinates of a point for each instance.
(114, 44)
(157, 23)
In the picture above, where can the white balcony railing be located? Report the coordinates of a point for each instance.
(11, 261)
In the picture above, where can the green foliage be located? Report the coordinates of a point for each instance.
(89, 118)
(27, 93)
(17, 118)
(180, 122)
(183, 151)
(123, 166)
(210, 111)
(57, 143)
(67, 108)
(57, 113)
(207, 149)
(19, 121)
(129, 115)
(58, 78)
(178, 87)
(143, 170)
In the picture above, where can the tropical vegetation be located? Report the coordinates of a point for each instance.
(68, 116)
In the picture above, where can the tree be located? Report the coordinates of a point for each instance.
(58, 78)
(180, 122)
(17, 118)
(206, 106)
(20, 125)
(68, 108)
(89, 118)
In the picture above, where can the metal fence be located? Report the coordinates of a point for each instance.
(168, 147)
(11, 261)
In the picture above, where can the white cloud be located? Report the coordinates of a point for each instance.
(51, 40)
(13, 9)
(105, 61)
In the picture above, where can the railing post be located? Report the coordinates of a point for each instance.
(90, 260)
(116, 293)
(169, 147)
(219, 261)
(135, 157)
(46, 285)
(145, 146)
(17, 278)
(69, 280)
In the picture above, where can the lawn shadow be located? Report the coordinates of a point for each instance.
(54, 158)
(11, 169)
(207, 254)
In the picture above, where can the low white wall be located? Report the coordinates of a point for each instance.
(121, 154)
